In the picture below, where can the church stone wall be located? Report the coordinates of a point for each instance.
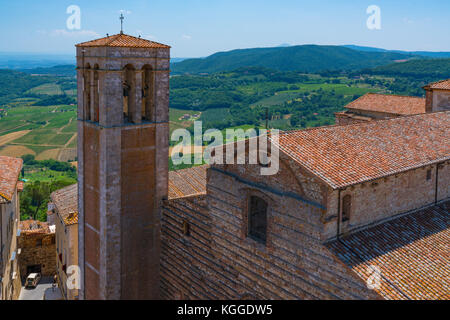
(441, 100)
(443, 183)
(218, 261)
(384, 198)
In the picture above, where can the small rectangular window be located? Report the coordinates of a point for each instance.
(429, 174)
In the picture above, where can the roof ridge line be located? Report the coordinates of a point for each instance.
(391, 94)
(365, 123)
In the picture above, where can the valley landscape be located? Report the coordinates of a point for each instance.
(236, 89)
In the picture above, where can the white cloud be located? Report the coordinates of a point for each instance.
(186, 37)
(125, 11)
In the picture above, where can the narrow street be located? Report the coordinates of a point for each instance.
(38, 292)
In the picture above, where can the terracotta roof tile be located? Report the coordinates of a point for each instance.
(20, 186)
(398, 105)
(9, 174)
(122, 40)
(33, 226)
(346, 155)
(187, 182)
(443, 84)
(66, 203)
(412, 253)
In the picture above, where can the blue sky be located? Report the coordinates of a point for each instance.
(197, 28)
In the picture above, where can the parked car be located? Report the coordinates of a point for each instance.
(32, 280)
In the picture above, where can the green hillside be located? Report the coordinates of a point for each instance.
(428, 68)
(307, 58)
(61, 70)
(13, 84)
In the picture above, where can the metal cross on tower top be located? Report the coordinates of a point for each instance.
(121, 23)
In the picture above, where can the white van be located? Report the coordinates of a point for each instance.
(32, 280)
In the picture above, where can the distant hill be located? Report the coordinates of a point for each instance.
(175, 60)
(63, 70)
(418, 68)
(429, 54)
(13, 84)
(23, 60)
(308, 58)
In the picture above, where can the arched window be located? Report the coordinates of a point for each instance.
(147, 93)
(128, 92)
(87, 92)
(257, 219)
(346, 207)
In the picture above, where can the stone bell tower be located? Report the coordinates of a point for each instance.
(123, 132)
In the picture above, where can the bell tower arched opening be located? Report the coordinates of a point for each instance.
(129, 92)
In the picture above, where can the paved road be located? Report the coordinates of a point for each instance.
(38, 292)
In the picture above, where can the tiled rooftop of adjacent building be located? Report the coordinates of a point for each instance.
(187, 182)
(345, 155)
(411, 252)
(123, 40)
(66, 203)
(9, 174)
(442, 85)
(34, 226)
(393, 104)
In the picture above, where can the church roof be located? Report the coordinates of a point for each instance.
(187, 182)
(9, 174)
(346, 155)
(66, 203)
(410, 252)
(443, 84)
(122, 40)
(398, 105)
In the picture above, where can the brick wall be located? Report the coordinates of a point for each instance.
(123, 170)
(218, 261)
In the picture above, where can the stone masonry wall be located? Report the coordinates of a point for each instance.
(123, 165)
(441, 100)
(218, 261)
(384, 198)
(37, 249)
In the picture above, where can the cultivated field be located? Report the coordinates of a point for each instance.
(15, 151)
(45, 132)
(12, 136)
